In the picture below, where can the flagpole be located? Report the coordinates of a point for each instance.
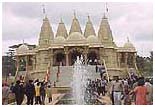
(48, 72)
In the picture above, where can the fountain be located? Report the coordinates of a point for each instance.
(81, 93)
(80, 77)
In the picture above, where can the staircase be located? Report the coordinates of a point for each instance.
(66, 75)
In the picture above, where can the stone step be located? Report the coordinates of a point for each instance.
(66, 74)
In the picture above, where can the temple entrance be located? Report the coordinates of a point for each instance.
(92, 57)
(73, 56)
(60, 59)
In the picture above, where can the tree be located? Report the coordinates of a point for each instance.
(145, 64)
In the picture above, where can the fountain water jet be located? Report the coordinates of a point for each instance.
(79, 83)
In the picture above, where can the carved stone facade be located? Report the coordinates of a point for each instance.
(63, 48)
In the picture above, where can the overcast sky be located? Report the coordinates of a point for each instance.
(22, 21)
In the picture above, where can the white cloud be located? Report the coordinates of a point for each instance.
(23, 21)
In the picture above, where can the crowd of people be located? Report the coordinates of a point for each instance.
(126, 91)
(35, 92)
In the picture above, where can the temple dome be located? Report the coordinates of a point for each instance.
(75, 36)
(128, 44)
(22, 49)
(59, 39)
(92, 39)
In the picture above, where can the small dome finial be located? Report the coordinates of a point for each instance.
(74, 14)
(105, 11)
(23, 41)
(88, 16)
(44, 11)
(61, 21)
(128, 39)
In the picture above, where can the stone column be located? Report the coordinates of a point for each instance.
(34, 63)
(119, 59)
(66, 53)
(134, 58)
(51, 57)
(26, 59)
(126, 57)
(102, 55)
(27, 70)
(85, 54)
(17, 66)
(67, 60)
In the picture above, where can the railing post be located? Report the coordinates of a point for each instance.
(106, 69)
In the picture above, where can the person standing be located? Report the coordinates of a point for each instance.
(49, 93)
(102, 71)
(30, 92)
(103, 84)
(5, 94)
(127, 98)
(35, 84)
(111, 91)
(117, 89)
(140, 93)
(12, 86)
(42, 93)
(149, 96)
(37, 93)
(98, 87)
(18, 90)
(22, 92)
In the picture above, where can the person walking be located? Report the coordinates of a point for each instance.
(30, 92)
(103, 84)
(18, 90)
(22, 92)
(117, 89)
(127, 98)
(111, 91)
(98, 87)
(149, 96)
(37, 93)
(49, 93)
(140, 93)
(42, 93)
(5, 94)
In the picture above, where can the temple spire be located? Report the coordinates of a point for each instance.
(89, 29)
(61, 31)
(105, 33)
(75, 27)
(46, 34)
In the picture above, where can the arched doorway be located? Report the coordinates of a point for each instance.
(92, 57)
(60, 59)
(73, 55)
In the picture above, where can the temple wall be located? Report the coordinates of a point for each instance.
(42, 61)
(110, 58)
